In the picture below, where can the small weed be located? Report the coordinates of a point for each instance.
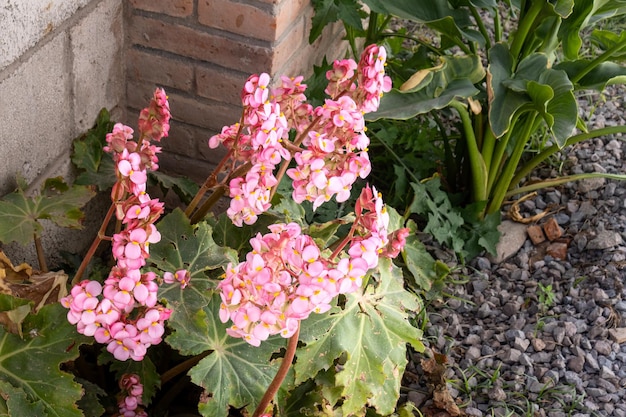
(546, 296)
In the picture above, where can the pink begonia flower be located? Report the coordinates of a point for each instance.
(111, 312)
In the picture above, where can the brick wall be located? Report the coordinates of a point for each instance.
(202, 51)
(63, 60)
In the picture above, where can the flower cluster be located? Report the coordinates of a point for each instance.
(130, 401)
(334, 146)
(286, 276)
(260, 144)
(124, 313)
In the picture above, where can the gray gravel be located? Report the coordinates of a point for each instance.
(538, 336)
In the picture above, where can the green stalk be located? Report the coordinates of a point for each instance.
(496, 159)
(597, 61)
(524, 27)
(497, 26)
(502, 185)
(489, 143)
(548, 152)
(372, 28)
(477, 164)
(562, 180)
(481, 26)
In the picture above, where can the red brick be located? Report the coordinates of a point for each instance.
(192, 43)
(552, 229)
(203, 113)
(288, 12)
(330, 44)
(220, 84)
(536, 234)
(176, 8)
(289, 45)
(165, 72)
(558, 250)
(239, 18)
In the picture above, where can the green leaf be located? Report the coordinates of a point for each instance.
(190, 247)
(504, 102)
(533, 86)
(330, 11)
(145, 369)
(420, 263)
(453, 78)
(451, 22)
(324, 233)
(96, 167)
(607, 73)
(234, 372)
(30, 367)
(372, 331)
(90, 403)
(184, 188)
(19, 213)
(443, 221)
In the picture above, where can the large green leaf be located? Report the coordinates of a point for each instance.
(607, 73)
(504, 102)
(453, 78)
(56, 202)
(534, 85)
(30, 375)
(371, 331)
(190, 247)
(451, 22)
(234, 373)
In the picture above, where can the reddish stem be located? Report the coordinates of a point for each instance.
(280, 375)
(94, 245)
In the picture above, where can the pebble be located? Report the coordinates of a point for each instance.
(569, 354)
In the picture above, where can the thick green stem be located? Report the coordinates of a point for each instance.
(280, 375)
(496, 159)
(477, 164)
(525, 25)
(94, 245)
(546, 153)
(504, 180)
(41, 258)
(372, 28)
(486, 150)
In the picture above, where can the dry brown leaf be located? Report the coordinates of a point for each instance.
(443, 400)
(514, 211)
(11, 273)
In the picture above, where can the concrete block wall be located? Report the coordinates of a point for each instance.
(202, 51)
(60, 62)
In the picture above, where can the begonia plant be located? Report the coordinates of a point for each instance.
(224, 291)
